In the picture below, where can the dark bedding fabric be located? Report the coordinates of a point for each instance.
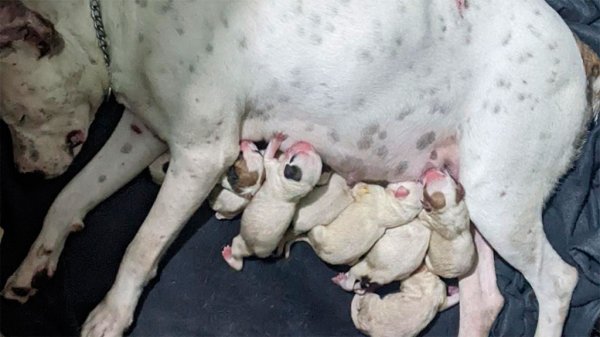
(196, 293)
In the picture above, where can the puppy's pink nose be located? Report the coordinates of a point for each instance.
(300, 147)
(432, 174)
(401, 192)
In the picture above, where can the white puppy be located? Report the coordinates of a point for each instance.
(395, 256)
(365, 220)
(451, 248)
(239, 184)
(270, 212)
(405, 313)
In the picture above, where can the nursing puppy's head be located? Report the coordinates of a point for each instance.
(246, 175)
(53, 78)
(440, 191)
(407, 196)
(301, 168)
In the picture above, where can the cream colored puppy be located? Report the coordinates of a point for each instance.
(395, 256)
(270, 212)
(239, 184)
(405, 313)
(451, 248)
(365, 220)
(320, 207)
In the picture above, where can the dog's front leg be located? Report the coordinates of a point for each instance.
(194, 169)
(128, 150)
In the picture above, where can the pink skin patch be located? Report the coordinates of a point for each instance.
(461, 6)
(226, 252)
(75, 138)
(401, 192)
(246, 145)
(431, 175)
(299, 147)
(452, 290)
(339, 278)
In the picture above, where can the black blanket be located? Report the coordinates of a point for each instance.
(196, 293)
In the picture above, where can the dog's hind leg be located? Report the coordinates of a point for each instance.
(510, 163)
(126, 153)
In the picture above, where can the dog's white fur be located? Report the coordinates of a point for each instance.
(270, 211)
(364, 221)
(396, 255)
(404, 313)
(374, 88)
(451, 250)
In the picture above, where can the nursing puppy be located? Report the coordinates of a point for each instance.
(239, 184)
(405, 313)
(451, 248)
(395, 256)
(268, 215)
(320, 207)
(365, 220)
(236, 187)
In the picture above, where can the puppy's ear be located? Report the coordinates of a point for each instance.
(460, 192)
(17, 22)
(435, 201)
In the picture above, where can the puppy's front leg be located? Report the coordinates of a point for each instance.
(128, 150)
(193, 171)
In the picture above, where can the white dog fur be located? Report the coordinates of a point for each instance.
(374, 88)
(270, 212)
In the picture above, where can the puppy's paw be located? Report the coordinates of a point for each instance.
(106, 320)
(234, 263)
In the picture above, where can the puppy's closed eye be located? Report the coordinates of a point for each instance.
(292, 172)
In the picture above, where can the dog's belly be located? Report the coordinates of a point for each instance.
(375, 146)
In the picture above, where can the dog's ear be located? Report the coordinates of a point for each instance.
(434, 201)
(17, 23)
(460, 192)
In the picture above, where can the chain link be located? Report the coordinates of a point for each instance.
(101, 37)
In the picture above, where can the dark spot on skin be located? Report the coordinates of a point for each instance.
(425, 140)
(365, 56)
(179, 30)
(534, 31)
(401, 168)
(537, 12)
(330, 28)
(209, 48)
(370, 130)
(433, 155)
(404, 113)
(93, 61)
(437, 108)
(497, 109)
(296, 84)
(140, 37)
(502, 194)
(552, 77)
(283, 99)
(521, 97)
(364, 143)
(545, 135)
(126, 148)
(224, 21)
(444, 28)
(358, 103)
(167, 7)
(101, 178)
(398, 41)
(142, 3)
(507, 39)
(553, 45)
(315, 19)
(316, 39)
(382, 152)
(501, 83)
(34, 155)
(197, 100)
(243, 44)
(333, 135)
(309, 128)
(191, 68)
(382, 135)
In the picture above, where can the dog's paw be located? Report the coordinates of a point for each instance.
(39, 265)
(105, 321)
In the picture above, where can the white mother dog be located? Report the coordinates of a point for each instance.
(374, 87)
